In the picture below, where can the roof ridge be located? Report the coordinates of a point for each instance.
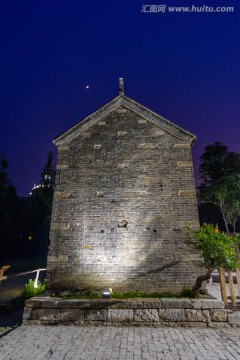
(132, 105)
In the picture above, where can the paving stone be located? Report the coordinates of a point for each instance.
(40, 342)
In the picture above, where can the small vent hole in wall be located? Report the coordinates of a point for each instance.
(102, 231)
(122, 224)
(100, 194)
(155, 230)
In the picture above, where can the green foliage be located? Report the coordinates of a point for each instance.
(28, 292)
(31, 291)
(219, 172)
(217, 249)
(25, 222)
(41, 208)
(129, 295)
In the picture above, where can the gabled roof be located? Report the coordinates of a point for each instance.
(126, 102)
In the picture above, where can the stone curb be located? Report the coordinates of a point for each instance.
(160, 312)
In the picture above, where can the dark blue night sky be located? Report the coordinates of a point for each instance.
(184, 66)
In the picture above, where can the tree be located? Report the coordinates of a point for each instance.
(219, 171)
(217, 250)
(41, 202)
(8, 209)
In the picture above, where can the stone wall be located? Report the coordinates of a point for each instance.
(158, 312)
(124, 196)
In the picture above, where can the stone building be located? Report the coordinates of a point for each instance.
(124, 196)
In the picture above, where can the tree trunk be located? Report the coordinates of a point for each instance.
(221, 205)
(234, 225)
(225, 222)
(198, 284)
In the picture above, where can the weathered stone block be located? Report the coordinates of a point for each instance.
(177, 304)
(95, 315)
(146, 303)
(218, 314)
(219, 325)
(187, 193)
(63, 148)
(27, 313)
(33, 303)
(50, 303)
(207, 304)
(184, 164)
(46, 314)
(68, 304)
(72, 315)
(120, 315)
(61, 194)
(172, 315)
(83, 304)
(197, 315)
(234, 318)
(122, 133)
(145, 146)
(182, 145)
(107, 303)
(62, 167)
(193, 325)
(146, 315)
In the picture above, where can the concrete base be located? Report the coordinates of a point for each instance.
(200, 313)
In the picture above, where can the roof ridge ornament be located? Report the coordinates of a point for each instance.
(121, 86)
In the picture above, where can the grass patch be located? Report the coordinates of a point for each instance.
(126, 295)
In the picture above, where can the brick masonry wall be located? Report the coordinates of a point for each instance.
(124, 196)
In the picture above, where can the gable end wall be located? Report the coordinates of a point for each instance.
(125, 193)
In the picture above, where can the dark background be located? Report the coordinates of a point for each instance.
(184, 66)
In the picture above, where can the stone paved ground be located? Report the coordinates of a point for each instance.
(123, 343)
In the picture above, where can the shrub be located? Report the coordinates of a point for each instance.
(27, 293)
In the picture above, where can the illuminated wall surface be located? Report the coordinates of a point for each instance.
(124, 196)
